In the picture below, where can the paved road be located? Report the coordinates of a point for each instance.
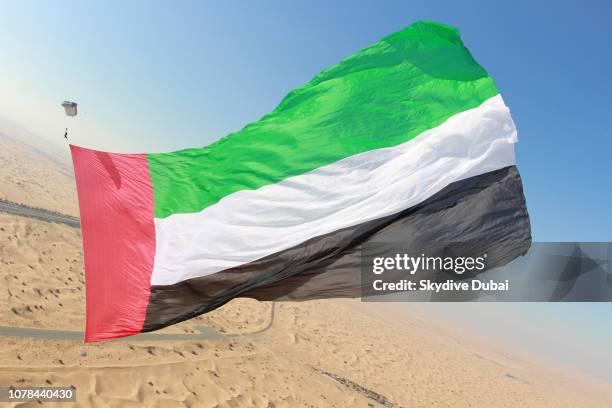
(38, 213)
(204, 333)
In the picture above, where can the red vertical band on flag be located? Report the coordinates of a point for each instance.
(116, 206)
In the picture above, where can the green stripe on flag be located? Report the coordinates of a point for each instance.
(381, 96)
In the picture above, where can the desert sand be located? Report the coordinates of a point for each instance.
(31, 177)
(332, 353)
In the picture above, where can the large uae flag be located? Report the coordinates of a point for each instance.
(407, 139)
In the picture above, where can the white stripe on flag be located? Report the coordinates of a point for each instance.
(251, 224)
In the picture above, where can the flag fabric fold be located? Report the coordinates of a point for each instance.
(406, 139)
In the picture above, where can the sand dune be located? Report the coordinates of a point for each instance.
(335, 353)
(410, 363)
(30, 177)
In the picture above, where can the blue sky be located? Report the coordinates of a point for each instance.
(151, 76)
(158, 76)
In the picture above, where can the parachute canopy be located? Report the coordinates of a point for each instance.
(70, 108)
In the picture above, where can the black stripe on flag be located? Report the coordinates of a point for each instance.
(489, 208)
